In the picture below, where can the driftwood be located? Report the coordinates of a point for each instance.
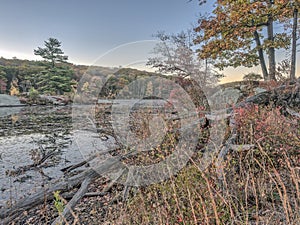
(65, 185)
(84, 162)
(43, 195)
(82, 190)
(73, 167)
(277, 97)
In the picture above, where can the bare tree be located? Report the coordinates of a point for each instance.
(175, 55)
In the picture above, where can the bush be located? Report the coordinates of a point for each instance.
(259, 185)
(33, 95)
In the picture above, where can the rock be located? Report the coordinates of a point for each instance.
(244, 87)
(7, 100)
(8, 105)
(259, 90)
(55, 100)
(223, 97)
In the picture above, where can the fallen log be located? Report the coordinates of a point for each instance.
(43, 195)
(82, 163)
(63, 186)
(81, 193)
(73, 167)
(82, 190)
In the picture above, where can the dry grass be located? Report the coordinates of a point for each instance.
(258, 186)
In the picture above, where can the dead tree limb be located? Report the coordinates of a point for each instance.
(82, 193)
(82, 163)
(64, 185)
(79, 194)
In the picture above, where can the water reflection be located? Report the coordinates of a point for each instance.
(27, 136)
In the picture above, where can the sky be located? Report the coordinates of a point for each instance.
(89, 28)
(107, 32)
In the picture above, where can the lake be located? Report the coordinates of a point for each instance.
(29, 133)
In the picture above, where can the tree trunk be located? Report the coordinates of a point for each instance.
(294, 45)
(271, 49)
(205, 73)
(261, 56)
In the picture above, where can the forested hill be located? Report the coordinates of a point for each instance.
(18, 76)
(20, 68)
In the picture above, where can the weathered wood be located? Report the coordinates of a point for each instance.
(79, 194)
(44, 195)
(82, 163)
(64, 185)
(82, 193)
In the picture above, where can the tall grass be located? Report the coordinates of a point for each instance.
(258, 186)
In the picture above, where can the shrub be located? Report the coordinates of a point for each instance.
(257, 186)
(33, 95)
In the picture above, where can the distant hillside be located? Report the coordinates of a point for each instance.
(19, 65)
(20, 70)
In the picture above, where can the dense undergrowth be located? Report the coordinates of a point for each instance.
(257, 186)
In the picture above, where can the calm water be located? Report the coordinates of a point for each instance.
(29, 132)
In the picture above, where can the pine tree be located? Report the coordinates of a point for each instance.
(56, 77)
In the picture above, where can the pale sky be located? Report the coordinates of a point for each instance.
(89, 28)
(112, 32)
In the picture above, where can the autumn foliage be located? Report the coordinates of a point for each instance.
(257, 185)
(238, 33)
